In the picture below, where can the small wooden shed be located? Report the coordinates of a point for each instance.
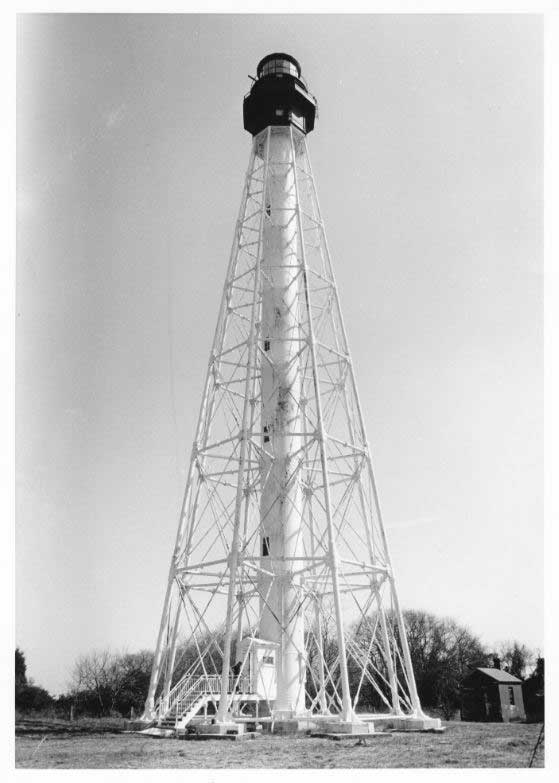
(492, 695)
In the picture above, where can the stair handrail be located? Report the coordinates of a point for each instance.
(180, 689)
(189, 685)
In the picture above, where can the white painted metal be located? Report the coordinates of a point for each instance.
(281, 499)
(281, 545)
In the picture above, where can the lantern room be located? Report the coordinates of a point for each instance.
(279, 96)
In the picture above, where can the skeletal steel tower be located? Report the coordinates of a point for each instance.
(281, 605)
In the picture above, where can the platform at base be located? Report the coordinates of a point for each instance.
(220, 729)
(364, 724)
(291, 726)
(406, 723)
(348, 727)
(197, 736)
(319, 724)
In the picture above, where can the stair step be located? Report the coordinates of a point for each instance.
(182, 711)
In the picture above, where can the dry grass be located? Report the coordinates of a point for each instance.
(462, 745)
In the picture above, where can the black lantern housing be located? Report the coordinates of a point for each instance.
(279, 96)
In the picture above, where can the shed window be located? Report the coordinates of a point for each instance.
(279, 112)
(511, 695)
(265, 546)
(268, 659)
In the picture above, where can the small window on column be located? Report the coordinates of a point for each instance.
(266, 345)
(266, 436)
(266, 546)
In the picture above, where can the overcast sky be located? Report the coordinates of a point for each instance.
(427, 155)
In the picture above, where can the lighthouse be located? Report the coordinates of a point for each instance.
(281, 609)
(279, 101)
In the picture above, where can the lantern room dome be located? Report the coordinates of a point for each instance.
(278, 63)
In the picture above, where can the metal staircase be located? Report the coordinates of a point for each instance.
(189, 696)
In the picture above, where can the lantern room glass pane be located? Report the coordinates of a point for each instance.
(279, 66)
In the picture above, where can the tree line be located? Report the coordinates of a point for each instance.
(443, 652)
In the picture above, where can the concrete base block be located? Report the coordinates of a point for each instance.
(348, 727)
(291, 726)
(220, 728)
(407, 723)
(418, 724)
(198, 737)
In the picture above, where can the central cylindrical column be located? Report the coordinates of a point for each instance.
(281, 614)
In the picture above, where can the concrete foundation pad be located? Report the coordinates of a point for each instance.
(292, 726)
(220, 729)
(248, 735)
(418, 724)
(408, 723)
(348, 727)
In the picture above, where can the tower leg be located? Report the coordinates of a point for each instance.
(406, 653)
(388, 657)
(172, 651)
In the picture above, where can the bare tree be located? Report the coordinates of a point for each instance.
(107, 682)
(442, 652)
(92, 675)
(516, 658)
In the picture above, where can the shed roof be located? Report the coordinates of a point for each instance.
(499, 675)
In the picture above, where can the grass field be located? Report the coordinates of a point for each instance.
(462, 745)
